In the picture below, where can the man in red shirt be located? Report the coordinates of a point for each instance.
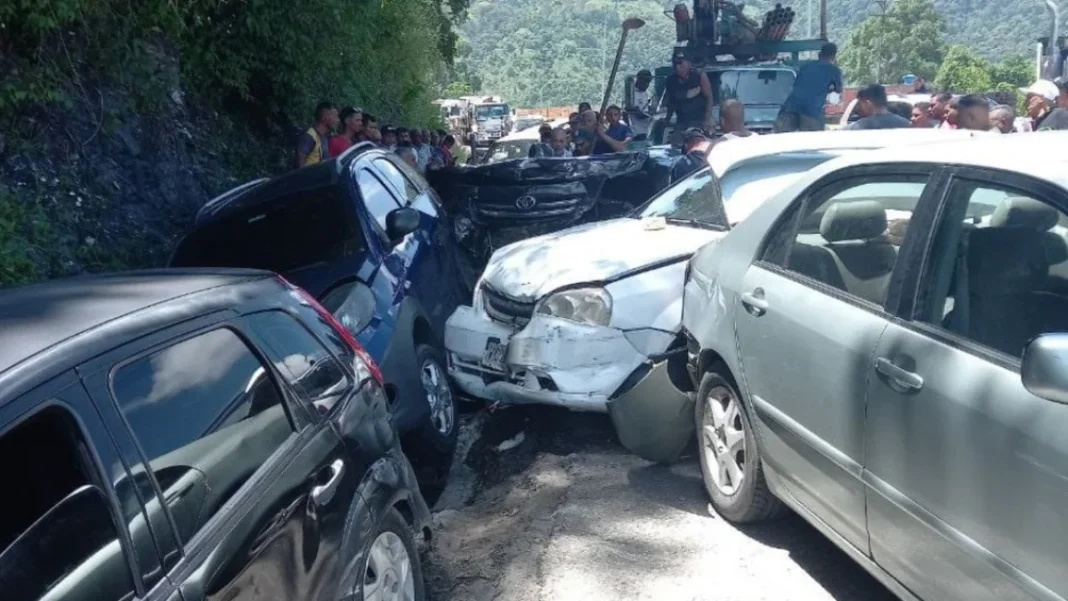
(351, 128)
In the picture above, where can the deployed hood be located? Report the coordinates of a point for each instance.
(594, 252)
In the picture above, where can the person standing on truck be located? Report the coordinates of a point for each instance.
(804, 107)
(688, 96)
(313, 146)
(638, 113)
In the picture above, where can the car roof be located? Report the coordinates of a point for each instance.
(731, 154)
(1039, 154)
(41, 316)
(264, 190)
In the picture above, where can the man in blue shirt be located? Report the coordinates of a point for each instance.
(803, 109)
(616, 137)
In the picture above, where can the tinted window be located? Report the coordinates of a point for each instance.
(289, 233)
(697, 198)
(397, 179)
(1001, 268)
(304, 363)
(207, 416)
(849, 233)
(58, 534)
(376, 197)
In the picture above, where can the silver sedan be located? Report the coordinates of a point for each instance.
(878, 348)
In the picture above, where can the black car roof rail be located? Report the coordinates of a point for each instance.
(229, 195)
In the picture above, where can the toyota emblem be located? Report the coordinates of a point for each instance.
(525, 203)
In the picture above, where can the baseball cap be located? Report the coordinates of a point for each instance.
(644, 74)
(1044, 88)
(1061, 82)
(691, 134)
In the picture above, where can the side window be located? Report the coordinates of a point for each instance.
(207, 416)
(848, 234)
(400, 182)
(303, 361)
(1000, 268)
(378, 199)
(58, 537)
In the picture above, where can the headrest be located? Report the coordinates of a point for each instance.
(859, 220)
(1005, 261)
(1024, 212)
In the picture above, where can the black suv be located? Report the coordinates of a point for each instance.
(196, 434)
(366, 236)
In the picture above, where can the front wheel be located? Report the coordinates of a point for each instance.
(439, 432)
(730, 459)
(392, 571)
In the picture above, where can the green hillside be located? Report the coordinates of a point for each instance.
(558, 52)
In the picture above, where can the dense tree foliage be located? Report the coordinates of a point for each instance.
(907, 38)
(965, 71)
(273, 56)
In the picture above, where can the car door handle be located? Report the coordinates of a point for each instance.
(902, 377)
(755, 302)
(323, 493)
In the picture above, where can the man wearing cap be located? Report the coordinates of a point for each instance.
(1041, 102)
(804, 107)
(638, 111)
(697, 146)
(688, 95)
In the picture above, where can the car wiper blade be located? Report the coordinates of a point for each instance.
(708, 225)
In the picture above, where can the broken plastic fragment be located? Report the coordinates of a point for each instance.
(655, 223)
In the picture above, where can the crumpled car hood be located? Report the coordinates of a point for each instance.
(532, 268)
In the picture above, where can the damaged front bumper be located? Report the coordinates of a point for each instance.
(554, 361)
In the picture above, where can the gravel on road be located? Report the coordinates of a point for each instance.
(544, 505)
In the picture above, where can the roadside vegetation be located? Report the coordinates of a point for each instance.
(118, 118)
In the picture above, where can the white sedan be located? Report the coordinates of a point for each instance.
(589, 318)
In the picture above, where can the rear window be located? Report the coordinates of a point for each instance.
(751, 86)
(295, 231)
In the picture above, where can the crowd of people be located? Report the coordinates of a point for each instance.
(334, 131)
(688, 97)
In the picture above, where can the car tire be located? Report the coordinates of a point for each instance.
(739, 494)
(439, 432)
(385, 555)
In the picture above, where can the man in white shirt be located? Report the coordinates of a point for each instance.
(641, 99)
(732, 120)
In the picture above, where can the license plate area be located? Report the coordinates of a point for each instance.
(493, 356)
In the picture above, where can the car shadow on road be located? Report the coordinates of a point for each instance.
(677, 486)
(842, 577)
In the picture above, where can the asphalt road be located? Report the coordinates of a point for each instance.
(563, 513)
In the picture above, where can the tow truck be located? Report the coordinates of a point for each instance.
(743, 59)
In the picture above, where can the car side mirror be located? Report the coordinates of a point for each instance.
(400, 223)
(1044, 368)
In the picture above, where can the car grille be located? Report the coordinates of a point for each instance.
(506, 310)
(510, 205)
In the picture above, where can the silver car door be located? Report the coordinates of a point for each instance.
(967, 470)
(811, 313)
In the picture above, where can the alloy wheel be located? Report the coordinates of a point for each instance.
(723, 440)
(438, 396)
(388, 576)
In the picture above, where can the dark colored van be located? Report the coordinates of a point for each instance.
(196, 434)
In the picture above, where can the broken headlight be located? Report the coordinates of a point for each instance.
(591, 306)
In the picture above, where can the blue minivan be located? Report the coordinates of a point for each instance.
(367, 237)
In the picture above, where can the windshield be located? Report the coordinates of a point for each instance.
(752, 86)
(746, 187)
(695, 199)
(504, 151)
(491, 111)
